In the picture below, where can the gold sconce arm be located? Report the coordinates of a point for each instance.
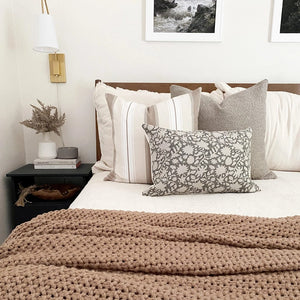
(46, 5)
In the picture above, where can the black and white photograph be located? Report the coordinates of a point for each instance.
(286, 25)
(183, 20)
(290, 16)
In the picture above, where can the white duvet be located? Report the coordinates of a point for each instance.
(278, 198)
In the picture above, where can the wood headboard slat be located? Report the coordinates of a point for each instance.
(206, 87)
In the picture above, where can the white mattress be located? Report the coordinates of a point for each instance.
(277, 198)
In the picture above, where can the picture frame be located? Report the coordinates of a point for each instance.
(155, 29)
(283, 27)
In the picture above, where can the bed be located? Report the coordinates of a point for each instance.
(267, 203)
(114, 243)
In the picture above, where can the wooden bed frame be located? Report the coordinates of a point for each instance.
(164, 88)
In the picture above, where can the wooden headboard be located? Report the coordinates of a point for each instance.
(206, 87)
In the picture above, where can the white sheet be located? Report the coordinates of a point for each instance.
(278, 198)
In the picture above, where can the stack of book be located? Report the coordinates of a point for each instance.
(56, 163)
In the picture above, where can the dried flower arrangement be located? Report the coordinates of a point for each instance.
(44, 119)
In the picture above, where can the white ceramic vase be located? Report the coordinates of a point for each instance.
(47, 148)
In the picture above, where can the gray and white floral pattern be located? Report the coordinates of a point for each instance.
(199, 162)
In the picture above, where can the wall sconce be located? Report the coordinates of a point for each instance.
(46, 41)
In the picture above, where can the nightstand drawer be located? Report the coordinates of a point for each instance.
(31, 210)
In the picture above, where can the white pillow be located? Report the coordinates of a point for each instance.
(104, 118)
(282, 128)
(143, 96)
(283, 131)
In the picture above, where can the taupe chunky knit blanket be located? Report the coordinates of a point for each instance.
(92, 254)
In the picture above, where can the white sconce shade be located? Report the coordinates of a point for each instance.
(46, 40)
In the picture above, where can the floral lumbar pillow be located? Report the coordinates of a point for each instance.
(200, 161)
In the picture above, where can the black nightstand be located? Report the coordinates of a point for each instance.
(27, 176)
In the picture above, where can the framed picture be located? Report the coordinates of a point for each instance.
(286, 25)
(183, 20)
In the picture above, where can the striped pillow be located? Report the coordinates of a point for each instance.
(131, 161)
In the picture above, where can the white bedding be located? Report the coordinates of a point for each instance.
(278, 198)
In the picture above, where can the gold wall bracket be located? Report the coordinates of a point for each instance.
(57, 68)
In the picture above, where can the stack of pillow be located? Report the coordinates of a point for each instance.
(185, 141)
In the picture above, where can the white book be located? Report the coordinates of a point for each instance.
(56, 161)
(48, 166)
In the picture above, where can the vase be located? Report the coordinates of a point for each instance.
(47, 148)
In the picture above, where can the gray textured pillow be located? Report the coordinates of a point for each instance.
(199, 162)
(238, 111)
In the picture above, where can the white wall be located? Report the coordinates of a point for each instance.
(12, 152)
(105, 39)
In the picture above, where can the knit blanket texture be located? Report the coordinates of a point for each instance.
(100, 254)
